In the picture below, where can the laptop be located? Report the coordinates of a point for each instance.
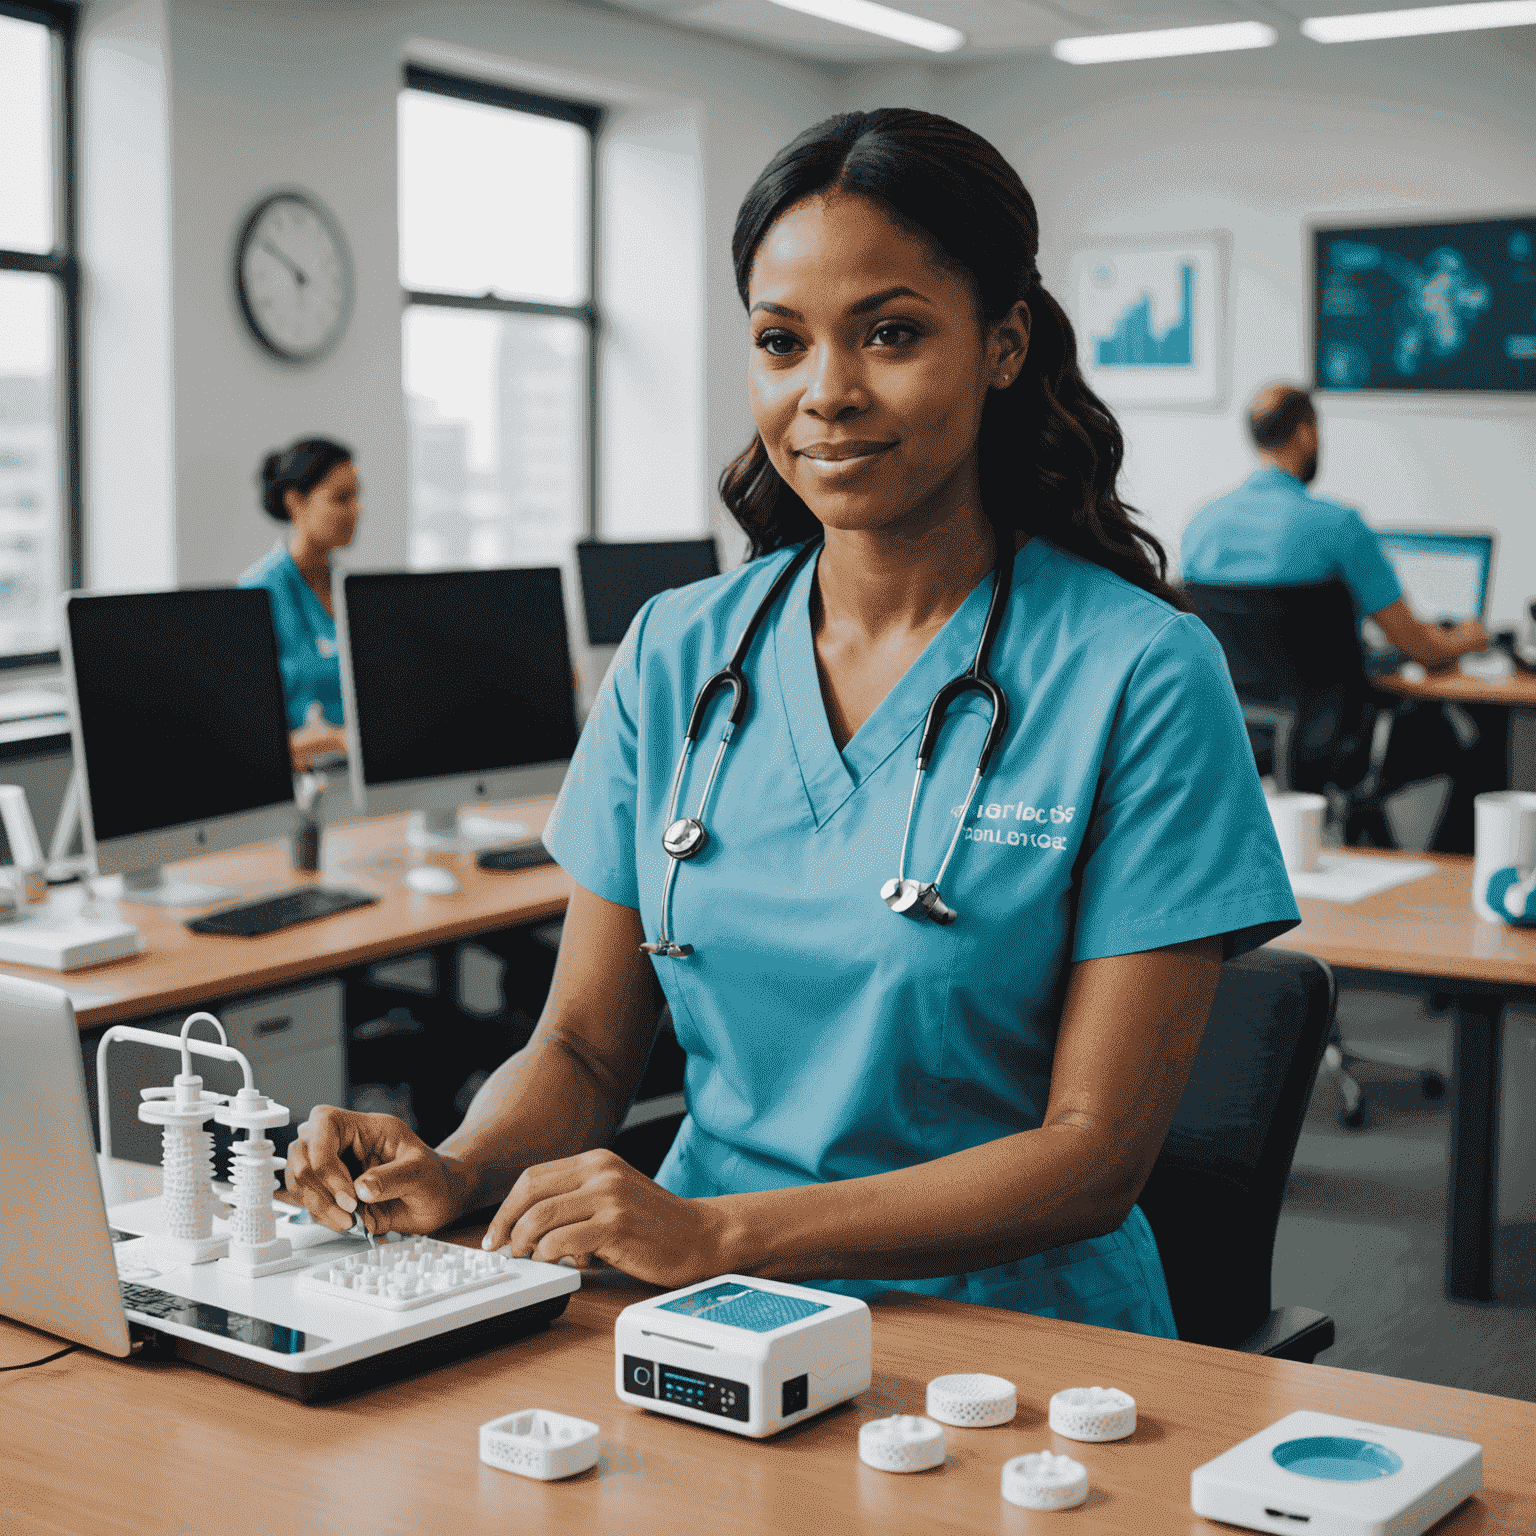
(70, 1267)
(1445, 575)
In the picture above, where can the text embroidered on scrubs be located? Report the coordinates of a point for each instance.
(1016, 837)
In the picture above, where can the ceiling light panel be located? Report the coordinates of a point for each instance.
(1422, 22)
(1171, 42)
(883, 21)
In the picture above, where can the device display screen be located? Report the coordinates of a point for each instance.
(207, 1318)
(618, 579)
(459, 672)
(181, 707)
(743, 1306)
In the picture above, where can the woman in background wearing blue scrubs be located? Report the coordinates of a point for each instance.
(874, 1101)
(313, 486)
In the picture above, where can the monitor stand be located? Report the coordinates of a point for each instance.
(468, 832)
(151, 887)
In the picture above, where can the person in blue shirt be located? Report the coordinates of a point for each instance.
(312, 485)
(1272, 531)
(877, 1098)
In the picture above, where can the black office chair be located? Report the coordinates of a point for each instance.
(1213, 1200)
(1315, 721)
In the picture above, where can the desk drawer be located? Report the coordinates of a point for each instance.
(302, 1019)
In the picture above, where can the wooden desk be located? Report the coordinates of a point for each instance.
(1425, 938)
(179, 968)
(108, 1446)
(1451, 684)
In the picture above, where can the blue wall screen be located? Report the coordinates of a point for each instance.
(1426, 306)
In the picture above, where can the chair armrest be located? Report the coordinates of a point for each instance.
(1282, 722)
(1291, 1333)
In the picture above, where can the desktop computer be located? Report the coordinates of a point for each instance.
(1444, 574)
(618, 579)
(180, 731)
(459, 692)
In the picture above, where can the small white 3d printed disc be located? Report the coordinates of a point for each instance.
(904, 1443)
(1044, 1482)
(1093, 1413)
(972, 1402)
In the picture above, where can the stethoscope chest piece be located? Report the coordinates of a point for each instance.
(685, 837)
(915, 900)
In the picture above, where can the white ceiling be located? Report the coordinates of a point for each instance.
(991, 27)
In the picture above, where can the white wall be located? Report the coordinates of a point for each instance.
(273, 92)
(1259, 143)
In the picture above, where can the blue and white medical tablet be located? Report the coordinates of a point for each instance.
(1337, 1477)
(751, 1356)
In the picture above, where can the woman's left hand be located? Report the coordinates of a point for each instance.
(595, 1206)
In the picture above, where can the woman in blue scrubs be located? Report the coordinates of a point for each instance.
(877, 1100)
(312, 486)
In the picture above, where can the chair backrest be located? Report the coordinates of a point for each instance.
(1298, 647)
(1213, 1200)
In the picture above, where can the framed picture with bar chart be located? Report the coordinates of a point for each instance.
(1149, 316)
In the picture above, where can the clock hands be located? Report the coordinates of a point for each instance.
(298, 273)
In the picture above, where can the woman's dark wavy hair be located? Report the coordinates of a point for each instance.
(1050, 450)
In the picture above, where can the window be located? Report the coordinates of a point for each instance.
(39, 328)
(500, 329)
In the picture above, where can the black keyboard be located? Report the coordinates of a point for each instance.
(524, 857)
(300, 906)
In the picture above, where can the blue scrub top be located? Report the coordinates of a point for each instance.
(829, 1038)
(1272, 532)
(306, 638)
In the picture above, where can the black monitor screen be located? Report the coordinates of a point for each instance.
(617, 579)
(181, 707)
(458, 672)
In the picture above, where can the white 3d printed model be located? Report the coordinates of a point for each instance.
(186, 1194)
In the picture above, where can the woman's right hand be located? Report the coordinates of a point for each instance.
(394, 1177)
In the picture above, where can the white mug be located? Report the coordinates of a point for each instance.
(1504, 837)
(1298, 823)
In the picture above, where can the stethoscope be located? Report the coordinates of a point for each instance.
(685, 837)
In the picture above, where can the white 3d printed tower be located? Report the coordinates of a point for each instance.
(186, 1160)
(254, 1247)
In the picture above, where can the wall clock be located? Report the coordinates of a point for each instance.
(293, 276)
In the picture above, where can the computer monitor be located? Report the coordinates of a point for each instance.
(180, 731)
(1444, 575)
(617, 579)
(459, 691)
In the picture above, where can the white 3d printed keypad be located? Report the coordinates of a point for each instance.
(540, 1444)
(973, 1401)
(1045, 1481)
(1093, 1413)
(905, 1443)
(412, 1273)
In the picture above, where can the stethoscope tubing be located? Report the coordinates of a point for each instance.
(684, 838)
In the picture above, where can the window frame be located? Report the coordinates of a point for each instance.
(62, 264)
(584, 115)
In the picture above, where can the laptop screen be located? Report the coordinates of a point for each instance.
(1444, 576)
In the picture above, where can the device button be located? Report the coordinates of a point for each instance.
(639, 1376)
(796, 1395)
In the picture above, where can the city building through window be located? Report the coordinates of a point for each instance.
(497, 195)
(40, 552)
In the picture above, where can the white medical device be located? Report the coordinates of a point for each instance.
(1337, 1477)
(751, 1356)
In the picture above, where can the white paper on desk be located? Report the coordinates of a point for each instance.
(1348, 877)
